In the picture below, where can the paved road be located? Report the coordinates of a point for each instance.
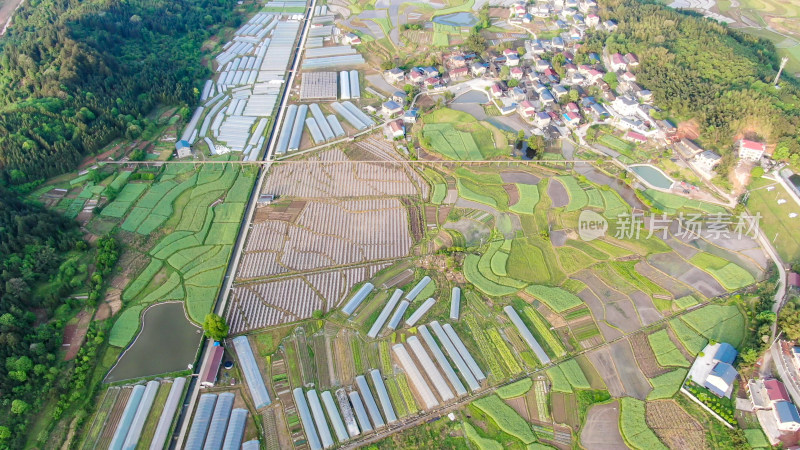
(786, 370)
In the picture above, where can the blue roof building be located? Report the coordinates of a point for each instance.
(787, 416)
(725, 353)
(720, 380)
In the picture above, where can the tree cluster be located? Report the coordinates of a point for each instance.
(698, 68)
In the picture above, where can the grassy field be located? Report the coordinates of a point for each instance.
(666, 385)
(720, 323)
(506, 418)
(730, 276)
(778, 227)
(528, 198)
(459, 136)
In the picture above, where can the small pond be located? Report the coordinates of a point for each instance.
(167, 342)
(795, 180)
(459, 19)
(653, 176)
(472, 96)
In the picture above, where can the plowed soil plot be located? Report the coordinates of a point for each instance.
(601, 359)
(518, 404)
(558, 238)
(444, 211)
(618, 307)
(513, 194)
(674, 426)
(675, 287)
(685, 250)
(645, 356)
(430, 216)
(674, 266)
(599, 313)
(558, 193)
(635, 383)
(601, 431)
(565, 409)
(114, 418)
(644, 305)
(519, 177)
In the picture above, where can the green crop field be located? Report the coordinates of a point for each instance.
(556, 298)
(633, 426)
(528, 198)
(120, 180)
(480, 442)
(526, 262)
(573, 260)
(666, 352)
(614, 205)
(470, 191)
(439, 193)
(506, 418)
(775, 219)
(516, 389)
(615, 143)
(671, 203)
(720, 323)
(488, 287)
(667, 385)
(577, 196)
(542, 332)
(126, 326)
(574, 374)
(692, 341)
(559, 380)
(458, 135)
(729, 275)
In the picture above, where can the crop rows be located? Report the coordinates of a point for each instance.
(486, 348)
(542, 329)
(506, 418)
(339, 179)
(504, 353)
(405, 390)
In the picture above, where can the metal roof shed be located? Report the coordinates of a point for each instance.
(384, 315)
(412, 294)
(451, 350)
(252, 445)
(347, 412)
(355, 86)
(201, 421)
(383, 396)
(443, 363)
(369, 400)
(305, 417)
(414, 318)
(209, 376)
(358, 298)
(168, 414)
(430, 368)
(462, 350)
(526, 334)
(455, 303)
(415, 376)
(128, 414)
(235, 432)
(398, 315)
(361, 412)
(319, 419)
(219, 421)
(247, 362)
(334, 417)
(142, 412)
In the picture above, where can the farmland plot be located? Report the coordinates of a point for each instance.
(260, 305)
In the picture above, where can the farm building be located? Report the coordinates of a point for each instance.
(714, 371)
(384, 315)
(751, 150)
(786, 416)
(318, 86)
(442, 361)
(184, 148)
(128, 414)
(347, 412)
(209, 376)
(633, 136)
(415, 377)
(383, 396)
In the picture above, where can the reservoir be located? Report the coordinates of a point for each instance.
(167, 342)
(653, 176)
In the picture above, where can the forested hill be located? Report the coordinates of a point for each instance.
(698, 68)
(75, 74)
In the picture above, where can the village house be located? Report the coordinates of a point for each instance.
(628, 77)
(399, 97)
(496, 91)
(477, 69)
(517, 73)
(395, 75)
(560, 91)
(410, 116)
(526, 109)
(706, 161)
(572, 119)
(459, 73)
(396, 129)
(572, 107)
(751, 150)
(618, 62)
(391, 108)
(542, 65)
(415, 76)
(517, 94)
(547, 98)
(631, 59)
(636, 138)
(512, 60)
(542, 119)
(786, 416)
(351, 39)
(592, 20)
(625, 105)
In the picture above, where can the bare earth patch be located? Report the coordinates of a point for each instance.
(674, 426)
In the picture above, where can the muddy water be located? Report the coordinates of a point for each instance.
(167, 342)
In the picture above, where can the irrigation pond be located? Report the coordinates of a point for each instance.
(167, 342)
